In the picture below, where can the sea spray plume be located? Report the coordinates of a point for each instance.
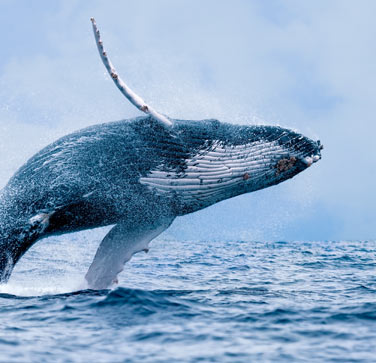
(138, 175)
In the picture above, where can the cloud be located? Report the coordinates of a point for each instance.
(306, 65)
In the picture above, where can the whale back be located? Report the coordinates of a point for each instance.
(94, 171)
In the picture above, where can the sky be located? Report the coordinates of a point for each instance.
(306, 65)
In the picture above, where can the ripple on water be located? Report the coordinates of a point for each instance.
(222, 301)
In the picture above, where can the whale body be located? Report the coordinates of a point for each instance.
(139, 175)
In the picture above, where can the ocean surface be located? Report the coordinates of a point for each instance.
(194, 301)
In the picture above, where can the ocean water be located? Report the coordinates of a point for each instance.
(194, 301)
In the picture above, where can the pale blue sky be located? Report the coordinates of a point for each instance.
(309, 65)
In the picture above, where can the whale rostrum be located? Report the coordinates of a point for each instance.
(138, 175)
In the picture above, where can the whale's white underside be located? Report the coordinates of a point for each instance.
(213, 173)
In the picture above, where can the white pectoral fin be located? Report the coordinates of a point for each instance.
(118, 247)
(124, 89)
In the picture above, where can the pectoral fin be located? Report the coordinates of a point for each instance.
(118, 247)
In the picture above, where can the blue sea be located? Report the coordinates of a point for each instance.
(194, 301)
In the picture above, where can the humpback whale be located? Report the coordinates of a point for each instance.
(138, 175)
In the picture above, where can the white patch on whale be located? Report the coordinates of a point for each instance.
(212, 173)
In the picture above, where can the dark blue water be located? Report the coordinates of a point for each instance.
(195, 301)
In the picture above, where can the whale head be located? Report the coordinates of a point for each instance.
(223, 160)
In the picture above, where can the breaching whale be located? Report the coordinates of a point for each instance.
(138, 175)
